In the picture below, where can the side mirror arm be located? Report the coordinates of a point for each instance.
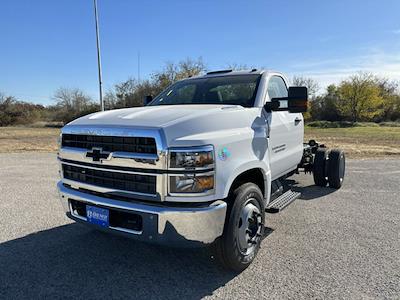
(272, 105)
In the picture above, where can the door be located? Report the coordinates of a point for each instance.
(285, 133)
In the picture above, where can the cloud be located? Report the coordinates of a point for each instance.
(396, 31)
(376, 61)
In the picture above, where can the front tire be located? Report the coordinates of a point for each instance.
(244, 228)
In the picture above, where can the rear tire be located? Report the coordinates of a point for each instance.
(244, 228)
(319, 167)
(336, 168)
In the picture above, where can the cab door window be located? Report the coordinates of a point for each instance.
(277, 87)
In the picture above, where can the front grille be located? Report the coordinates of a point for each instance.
(145, 145)
(109, 179)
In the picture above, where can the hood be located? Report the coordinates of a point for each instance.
(149, 116)
(180, 123)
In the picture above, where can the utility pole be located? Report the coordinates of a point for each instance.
(98, 56)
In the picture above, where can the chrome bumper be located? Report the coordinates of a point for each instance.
(161, 224)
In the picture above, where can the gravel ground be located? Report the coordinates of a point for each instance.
(329, 244)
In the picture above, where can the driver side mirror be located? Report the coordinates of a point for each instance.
(147, 99)
(297, 101)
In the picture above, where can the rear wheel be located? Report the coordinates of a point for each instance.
(336, 168)
(319, 167)
(244, 227)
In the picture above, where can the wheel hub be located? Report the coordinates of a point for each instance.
(249, 227)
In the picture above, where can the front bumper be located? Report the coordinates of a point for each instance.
(174, 226)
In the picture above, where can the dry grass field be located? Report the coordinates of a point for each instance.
(358, 142)
(23, 139)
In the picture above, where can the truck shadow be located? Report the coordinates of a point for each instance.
(309, 192)
(83, 263)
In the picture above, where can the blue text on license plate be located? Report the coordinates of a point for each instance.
(97, 215)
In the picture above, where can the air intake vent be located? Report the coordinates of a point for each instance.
(114, 180)
(111, 143)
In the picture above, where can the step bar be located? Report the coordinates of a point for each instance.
(282, 202)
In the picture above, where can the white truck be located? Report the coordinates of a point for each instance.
(200, 164)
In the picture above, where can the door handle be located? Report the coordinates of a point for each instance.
(297, 121)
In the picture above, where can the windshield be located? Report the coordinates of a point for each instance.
(236, 90)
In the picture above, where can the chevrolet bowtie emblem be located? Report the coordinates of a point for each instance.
(97, 154)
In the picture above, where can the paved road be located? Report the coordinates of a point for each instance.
(330, 244)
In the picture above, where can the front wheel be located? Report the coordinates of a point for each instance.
(244, 227)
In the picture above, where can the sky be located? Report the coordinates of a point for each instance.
(47, 44)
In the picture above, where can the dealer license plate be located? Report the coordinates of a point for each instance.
(97, 215)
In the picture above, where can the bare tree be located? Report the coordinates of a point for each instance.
(131, 93)
(173, 72)
(72, 103)
(238, 67)
(189, 67)
(110, 99)
(74, 99)
(311, 84)
(6, 100)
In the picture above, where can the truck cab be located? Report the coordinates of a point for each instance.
(199, 165)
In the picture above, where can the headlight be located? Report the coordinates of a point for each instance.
(192, 158)
(191, 183)
(200, 162)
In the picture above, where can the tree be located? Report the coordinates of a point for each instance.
(360, 98)
(125, 93)
(6, 102)
(238, 67)
(110, 99)
(71, 104)
(391, 99)
(173, 72)
(324, 107)
(15, 112)
(131, 93)
(311, 84)
(313, 88)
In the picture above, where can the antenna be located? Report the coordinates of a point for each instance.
(138, 66)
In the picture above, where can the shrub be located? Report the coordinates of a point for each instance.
(341, 124)
(323, 124)
(390, 124)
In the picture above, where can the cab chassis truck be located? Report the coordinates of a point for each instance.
(199, 165)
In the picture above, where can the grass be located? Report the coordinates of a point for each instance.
(24, 139)
(358, 142)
